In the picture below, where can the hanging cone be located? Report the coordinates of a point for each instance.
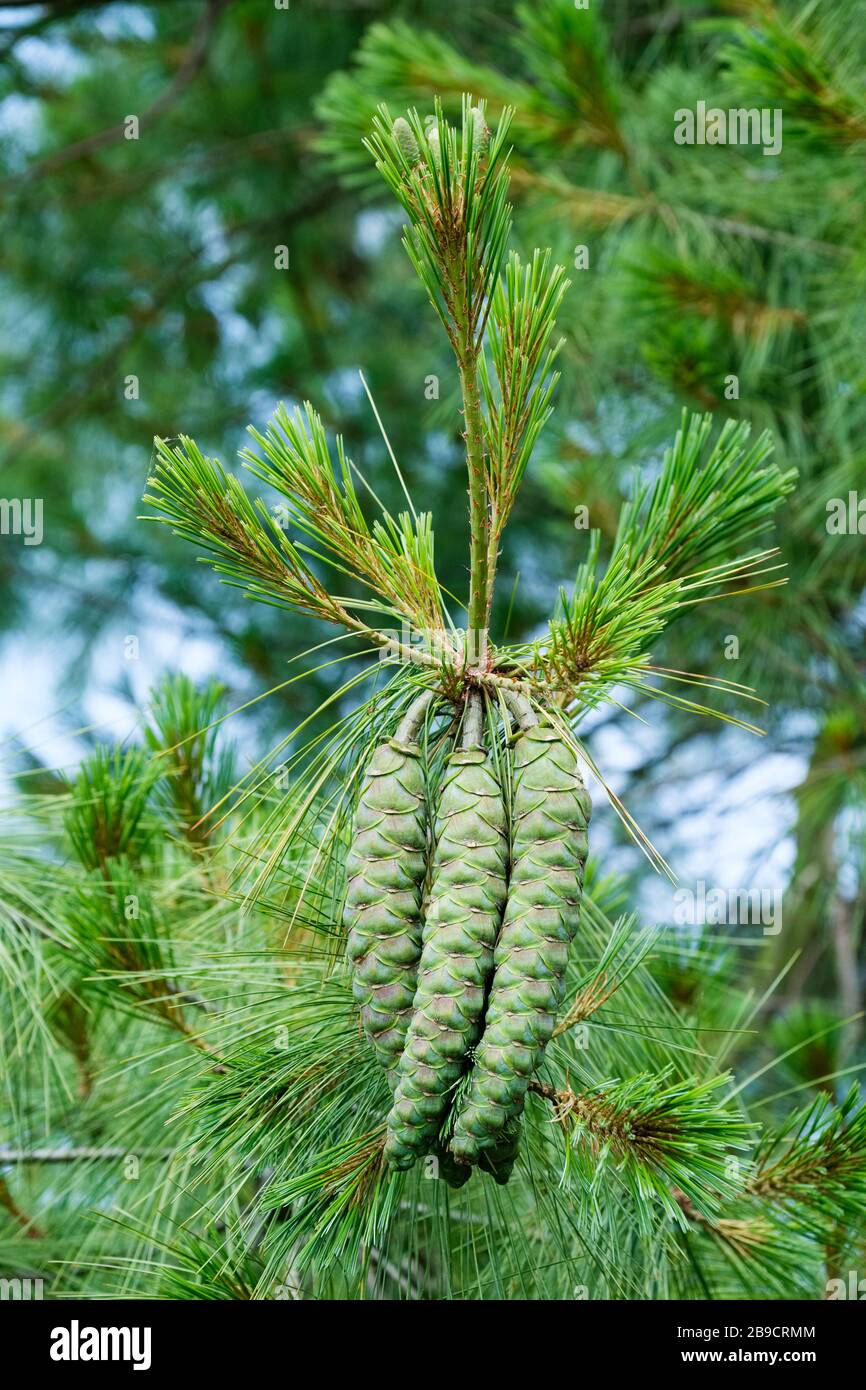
(467, 895)
(386, 868)
(551, 811)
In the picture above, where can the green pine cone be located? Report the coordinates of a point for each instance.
(403, 134)
(551, 811)
(480, 133)
(435, 145)
(500, 1160)
(467, 895)
(455, 1174)
(386, 867)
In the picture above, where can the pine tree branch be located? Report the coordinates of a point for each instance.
(817, 1160)
(31, 1230)
(193, 60)
(699, 509)
(522, 319)
(624, 952)
(480, 594)
(78, 1154)
(664, 1134)
(453, 186)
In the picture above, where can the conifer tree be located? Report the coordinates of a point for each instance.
(715, 277)
(187, 1059)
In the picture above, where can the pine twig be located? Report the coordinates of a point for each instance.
(31, 1230)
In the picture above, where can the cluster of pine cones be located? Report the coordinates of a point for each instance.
(459, 954)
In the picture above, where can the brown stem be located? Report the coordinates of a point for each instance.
(19, 1217)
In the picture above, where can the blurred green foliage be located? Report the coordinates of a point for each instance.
(156, 259)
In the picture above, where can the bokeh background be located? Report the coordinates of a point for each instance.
(145, 292)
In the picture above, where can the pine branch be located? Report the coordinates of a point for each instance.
(697, 512)
(70, 1020)
(522, 319)
(805, 65)
(7, 1201)
(193, 60)
(816, 1163)
(208, 1266)
(119, 941)
(625, 951)
(747, 1237)
(106, 817)
(203, 504)
(666, 285)
(702, 509)
(394, 558)
(453, 186)
(568, 53)
(182, 732)
(807, 1180)
(115, 935)
(660, 1135)
(601, 633)
(407, 64)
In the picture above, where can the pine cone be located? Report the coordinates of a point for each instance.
(405, 138)
(466, 900)
(499, 1161)
(480, 133)
(551, 811)
(386, 868)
